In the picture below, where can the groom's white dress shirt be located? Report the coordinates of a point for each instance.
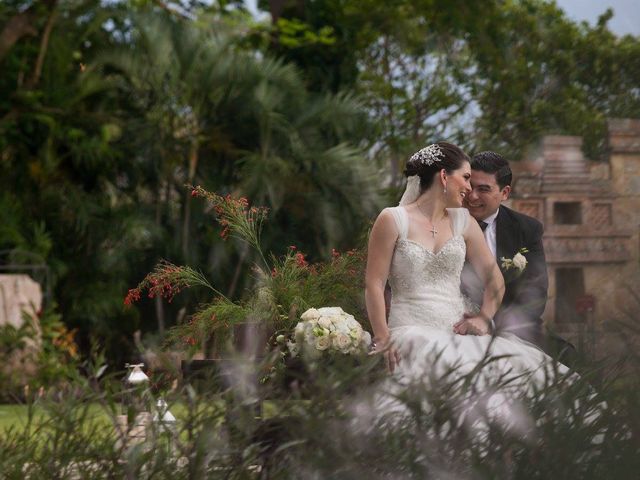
(490, 232)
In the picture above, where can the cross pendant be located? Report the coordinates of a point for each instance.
(433, 231)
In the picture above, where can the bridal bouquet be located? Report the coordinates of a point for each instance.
(326, 331)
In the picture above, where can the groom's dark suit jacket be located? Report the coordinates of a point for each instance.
(525, 293)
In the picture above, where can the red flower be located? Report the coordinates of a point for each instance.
(335, 253)
(132, 297)
(300, 261)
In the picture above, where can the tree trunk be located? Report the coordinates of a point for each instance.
(159, 314)
(276, 7)
(21, 25)
(193, 165)
(44, 45)
(159, 307)
(244, 251)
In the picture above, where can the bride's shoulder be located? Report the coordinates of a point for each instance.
(460, 212)
(459, 219)
(392, 218)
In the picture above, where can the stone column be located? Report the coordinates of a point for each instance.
(624, 147)
(20, 296)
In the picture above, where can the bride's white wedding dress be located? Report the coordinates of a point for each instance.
(427, 302)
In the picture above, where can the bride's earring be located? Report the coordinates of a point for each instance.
(445, 189)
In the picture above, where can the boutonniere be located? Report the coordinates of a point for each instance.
(518, 262)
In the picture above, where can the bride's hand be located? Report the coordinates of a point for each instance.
(472, 325)
(386, 348)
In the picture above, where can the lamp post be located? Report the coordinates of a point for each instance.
(165, 424)
(136, 383)
(135, 403)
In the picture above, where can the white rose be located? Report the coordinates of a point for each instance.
(325, 322)
(519, 261)
(352, 322)
(341, 342)
(330, 311)
(280, 339)
(323, 342)
(366, 339)
(342, 327)
(336, 319)
(311, 314)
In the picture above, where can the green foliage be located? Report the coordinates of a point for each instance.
(133, 103)
(240, 432)
(284, 287)
(295, 286)
(487, 75)
(103, 124)
(214, 320)
(48, 347)
(539, 73)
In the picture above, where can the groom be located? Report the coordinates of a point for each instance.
(508, 232)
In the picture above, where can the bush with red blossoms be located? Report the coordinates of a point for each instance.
(285, 285)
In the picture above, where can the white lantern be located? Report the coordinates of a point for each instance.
(136, 375)
(163, 415)
(165, 425)
(135, 389)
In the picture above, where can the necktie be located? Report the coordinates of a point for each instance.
(483, 225)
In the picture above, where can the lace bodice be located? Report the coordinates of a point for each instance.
(425, 285)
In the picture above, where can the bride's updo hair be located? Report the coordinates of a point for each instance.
(426, 163)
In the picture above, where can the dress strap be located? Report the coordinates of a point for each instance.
(402, 221)
(459, 220)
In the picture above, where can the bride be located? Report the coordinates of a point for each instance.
(420, 247)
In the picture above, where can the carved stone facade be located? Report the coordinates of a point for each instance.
(591, 214)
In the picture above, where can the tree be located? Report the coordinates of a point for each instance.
(538, 72)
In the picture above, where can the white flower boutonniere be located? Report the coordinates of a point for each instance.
(518, 262)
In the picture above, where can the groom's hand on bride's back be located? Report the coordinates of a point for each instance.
(472, 325)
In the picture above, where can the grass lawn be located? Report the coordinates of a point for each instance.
(16, 415)
(12, 415)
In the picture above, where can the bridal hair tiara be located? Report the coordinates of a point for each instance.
(428, 155)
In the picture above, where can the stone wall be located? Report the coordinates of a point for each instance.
(591, 214)
(20, 296)
(624, 161)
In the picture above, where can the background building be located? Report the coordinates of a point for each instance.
(591, 214)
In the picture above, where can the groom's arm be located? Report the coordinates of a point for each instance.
(531, 292)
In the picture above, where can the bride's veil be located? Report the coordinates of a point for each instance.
(412, 192)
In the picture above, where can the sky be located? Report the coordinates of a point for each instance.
(626, 13)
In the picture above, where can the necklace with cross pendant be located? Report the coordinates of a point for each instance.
(433, 226)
